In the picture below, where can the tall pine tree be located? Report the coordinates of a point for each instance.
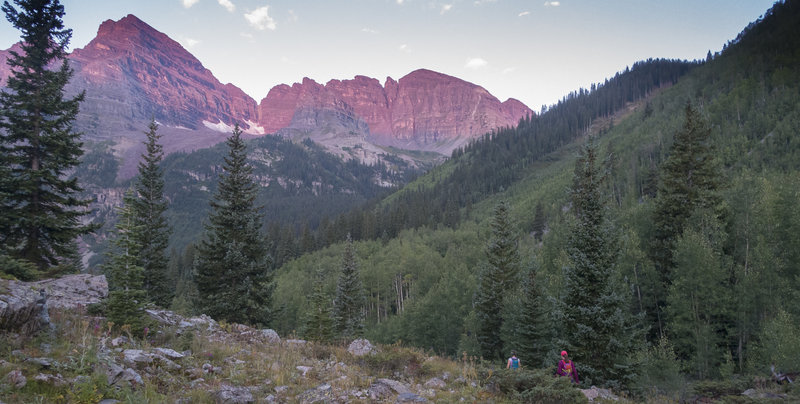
(40, 207)
(149, 207)
(533, 324)
(689, 180)
(319, 321)
(348, 307)
(233, 270)
(126, 295)
(499, 278)
(597, 326)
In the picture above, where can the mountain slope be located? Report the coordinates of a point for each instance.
(132, 72)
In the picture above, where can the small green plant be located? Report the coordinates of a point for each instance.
(88, 391)
(469, 370)
(717, 389)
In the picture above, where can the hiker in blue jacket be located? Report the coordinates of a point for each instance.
(513, 361)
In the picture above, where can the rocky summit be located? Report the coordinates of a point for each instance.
(424, 110)
(131, 73)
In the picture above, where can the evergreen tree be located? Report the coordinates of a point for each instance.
(499, 278)
(597, 325)
(319, 323)
(689, 180)
(149, 208)
(40, 207)
(126, 295)
(348, 314)
(533, 325)
(700, 306)
(233, 271)
(185, 287)
(539, 222)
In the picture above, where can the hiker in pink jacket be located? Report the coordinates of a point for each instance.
(567, 368)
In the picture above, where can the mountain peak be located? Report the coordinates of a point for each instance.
(130, 32)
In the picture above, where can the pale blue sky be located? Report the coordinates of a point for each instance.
(535, 51)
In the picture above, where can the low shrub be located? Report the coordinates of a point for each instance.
(395, 359)
(535, 386)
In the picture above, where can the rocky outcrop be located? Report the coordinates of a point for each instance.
(424, 110)
(133, 72)
(24, 305)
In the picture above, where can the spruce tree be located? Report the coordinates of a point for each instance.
(126, 295)
(689, 180)
(499, 277)
(533, 325)
(40, 207)
(597, 328)
(348, 314)
(539, 222)
(233, 270)
(149, 207)
(319, 321)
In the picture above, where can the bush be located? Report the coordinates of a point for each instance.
(715, 389)
(535, 386)
(12, 268)
(395, 359)
(658, 371)
(778, 345)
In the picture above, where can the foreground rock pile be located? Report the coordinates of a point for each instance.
(130, 363)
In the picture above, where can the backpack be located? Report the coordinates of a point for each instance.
(514, 363)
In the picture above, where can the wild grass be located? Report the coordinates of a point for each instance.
(80, 348)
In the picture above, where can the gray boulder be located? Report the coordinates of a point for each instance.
(117, 375)
(53, 380)
(411, 398)
(320, 394)
(136, 357)
(361, 347)
(398, 387)
(435, 383)
(24, 305)
(595, 393)
(270, 336)
(168, 353)
(16, 379)
(234, 395)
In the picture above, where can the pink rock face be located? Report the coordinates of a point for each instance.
(150, 75)
(132, 73)
(5, 69)
(423, 110)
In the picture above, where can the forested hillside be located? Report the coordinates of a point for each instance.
(709, 267)
(301, 184)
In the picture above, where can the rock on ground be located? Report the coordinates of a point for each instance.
(411, 398)
(360, 347)
(320, 394)
(234, 395)
(24, 305)
(435, 383)
(270, 336)
(596, 393)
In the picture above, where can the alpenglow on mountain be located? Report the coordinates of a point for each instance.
(131, 72)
